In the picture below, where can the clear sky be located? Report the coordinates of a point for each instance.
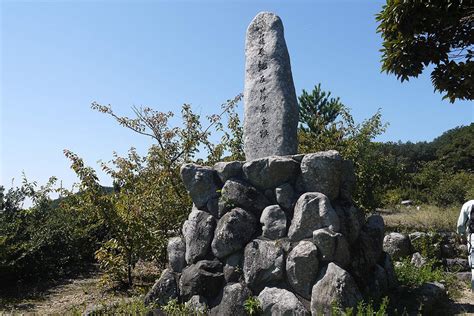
(59, 56)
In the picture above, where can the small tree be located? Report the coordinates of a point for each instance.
(419, 33)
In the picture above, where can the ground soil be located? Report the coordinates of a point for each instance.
(74, 295)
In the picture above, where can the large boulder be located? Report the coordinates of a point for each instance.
(198, 232)
(377, 283)
(200, 182)
(431, 295)
(348, 181)
(397, 245)
(273, 220)
(322, 172)
(263, 263)
(176, 254)
(234, 230)
(302, 267)
(164, 289)
(226, 170)
(270, 172)
(203, 278)
(232, 300)
(334, 286)
(275, 301)
(313, 210)
(236, 193)
(332, 246)
(387, 264)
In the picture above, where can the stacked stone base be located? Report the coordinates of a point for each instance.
(282, 228)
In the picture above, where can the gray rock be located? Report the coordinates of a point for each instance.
(368, 249)
(332, 246)
(213, 207)
(227, 170)
(312, 211)
(457, 265)
(176, 253)
(234, 230)
(273, 220)
(270, 172)
(387, 265)
(397, 245)
(430, 295)
(378, 283)
(351, 221)
(416, 236)
(448, 251)
(263, 263)
(285, 196)
(164, 289)
(197, 304)
(334, 286)
(302, 267)
(270, 105)
(322, 172)
(236, 193)
(417, 260)
(200, 182)
(233, 267)
(203, 278)
(198, 232)
(348, 181)
(275, 301)
(232, 302)
(464, 276)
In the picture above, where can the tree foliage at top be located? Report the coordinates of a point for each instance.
(417, 33)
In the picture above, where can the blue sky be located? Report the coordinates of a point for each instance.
(59, 56)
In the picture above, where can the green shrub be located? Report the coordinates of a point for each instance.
(252, 306)
(363, 309)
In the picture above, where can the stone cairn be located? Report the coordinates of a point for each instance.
(278, 226)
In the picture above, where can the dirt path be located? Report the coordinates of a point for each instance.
(71, 297)
(464, 305)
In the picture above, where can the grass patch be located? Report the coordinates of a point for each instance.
(427, 218)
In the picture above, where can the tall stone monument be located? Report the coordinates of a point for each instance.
(271, 109)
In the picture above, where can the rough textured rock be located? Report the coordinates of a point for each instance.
(203, 278)
(176, 253)
(348, 181)
(312, 211)
(273, 220)
(236, 193)
(197, 304)
(430, 295)
(233, 267)
(457, 265)
(234, 230)
(232, 300)
(163, 290)
(397, 245)
(378, 283)
(322, 172)
(417, 260)
(263, 263)
(387, 264)
(198, 232)
(270, 105)
(200, 182)
(275, 301)
(332, 246)
(270, 172)
(302, 267)
(334, 285)
(351, 221)
(285, 196)
(227, 170)
(368, 248)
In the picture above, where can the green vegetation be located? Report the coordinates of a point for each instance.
(419, 33)
(363, 309)
(252, 306)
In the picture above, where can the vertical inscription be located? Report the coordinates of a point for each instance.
(262, 66)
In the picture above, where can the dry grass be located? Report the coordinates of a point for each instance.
(427, 218)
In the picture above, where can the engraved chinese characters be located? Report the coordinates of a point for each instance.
(271, 109)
